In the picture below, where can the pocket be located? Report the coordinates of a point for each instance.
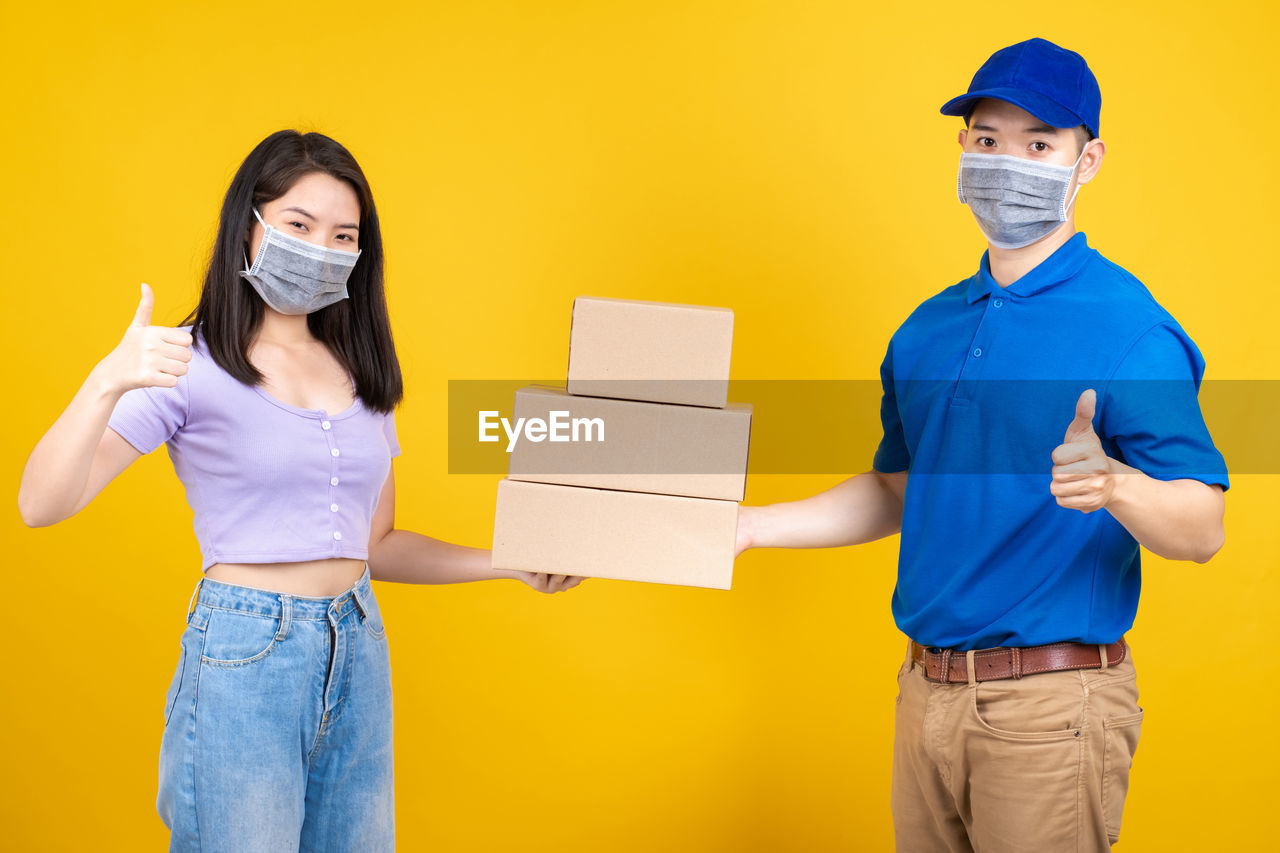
(234, 638)
(1121, 742)
(1045, 707)
(903, 670)
(373, 618)
(172, 696)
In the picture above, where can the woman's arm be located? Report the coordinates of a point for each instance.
(402, 556)
(79, 455)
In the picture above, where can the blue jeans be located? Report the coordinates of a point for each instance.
(278, 724)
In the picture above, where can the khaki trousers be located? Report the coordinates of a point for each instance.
(1037, 764)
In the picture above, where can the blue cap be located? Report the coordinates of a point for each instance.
(1052, 83)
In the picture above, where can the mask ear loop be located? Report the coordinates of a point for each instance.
(1076, 192)
(261, 246)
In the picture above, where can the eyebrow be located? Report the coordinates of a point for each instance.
(1040, 128)
(309, 216)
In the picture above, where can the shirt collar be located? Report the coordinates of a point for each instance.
(1064, 263)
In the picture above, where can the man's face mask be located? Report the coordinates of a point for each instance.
(1015, 201)
(297, 277)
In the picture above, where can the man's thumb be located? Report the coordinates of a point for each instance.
(1083, 422)
(143, 315)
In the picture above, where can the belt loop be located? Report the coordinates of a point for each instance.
(968, 663)
(911, 654)
(195, 593)
(1102, 653)
(286, 616)
(946, 666)
(358, 596)
(1017, 662)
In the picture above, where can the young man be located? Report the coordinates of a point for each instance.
(1017, 403)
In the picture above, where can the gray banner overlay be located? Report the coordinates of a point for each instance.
(833, 426)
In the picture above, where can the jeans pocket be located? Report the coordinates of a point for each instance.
(235, 638)
(1121, 742)
(373, 618)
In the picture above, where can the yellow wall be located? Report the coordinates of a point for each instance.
(785, 159)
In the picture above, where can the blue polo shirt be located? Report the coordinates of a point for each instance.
(980, 384)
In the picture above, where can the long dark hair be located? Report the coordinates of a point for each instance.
(356, 330)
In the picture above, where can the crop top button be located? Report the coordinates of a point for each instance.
(333, 507)
(337, 534)
(333, 481)
(324, 425)
(334, 451)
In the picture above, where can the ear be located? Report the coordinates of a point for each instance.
(1092, 160)
(963, 135)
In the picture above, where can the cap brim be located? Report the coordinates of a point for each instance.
(1049, 112)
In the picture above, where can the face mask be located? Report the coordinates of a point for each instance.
(1015, 201)
(297, 277)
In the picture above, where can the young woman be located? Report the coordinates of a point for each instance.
(275, 400)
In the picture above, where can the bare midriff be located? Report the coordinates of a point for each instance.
(309, 577)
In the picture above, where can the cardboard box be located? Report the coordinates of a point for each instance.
(654, 351)
(621, 535)
(630, 446)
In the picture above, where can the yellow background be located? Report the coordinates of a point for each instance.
(786, 159)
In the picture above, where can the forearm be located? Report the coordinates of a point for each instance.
(860, 509)
(1177, 519)
(402, 556)
(57, 470)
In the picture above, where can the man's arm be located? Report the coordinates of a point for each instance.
(1176, 519)
(861, 509)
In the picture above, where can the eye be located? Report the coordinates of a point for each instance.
(347, 237)
(295, 223)
(1039, 147)
(986, 142)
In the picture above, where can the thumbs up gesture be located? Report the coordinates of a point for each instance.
(1083, 474)
(147, 355)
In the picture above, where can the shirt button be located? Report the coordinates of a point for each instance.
(337, 534)
(998, 303)
(334, 451)
(977, 353)
(333, 507)
(333, 481)
(324, 425)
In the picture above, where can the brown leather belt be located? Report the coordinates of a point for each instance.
(947, 666)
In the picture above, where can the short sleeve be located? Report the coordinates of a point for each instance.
(892, 454)
(1151, 410)
(148, 417)
(389, 430)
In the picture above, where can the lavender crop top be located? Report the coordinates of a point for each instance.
(268, 482)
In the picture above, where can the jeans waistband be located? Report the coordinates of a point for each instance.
(247, 599)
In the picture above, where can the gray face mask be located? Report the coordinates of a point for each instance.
(297, 277)
(1016, 201)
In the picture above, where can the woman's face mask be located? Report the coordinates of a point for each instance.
(1016, 201)
(297, 277)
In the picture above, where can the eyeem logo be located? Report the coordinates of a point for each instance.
(558, 427)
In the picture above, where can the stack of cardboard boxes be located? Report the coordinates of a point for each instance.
(648, 488)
